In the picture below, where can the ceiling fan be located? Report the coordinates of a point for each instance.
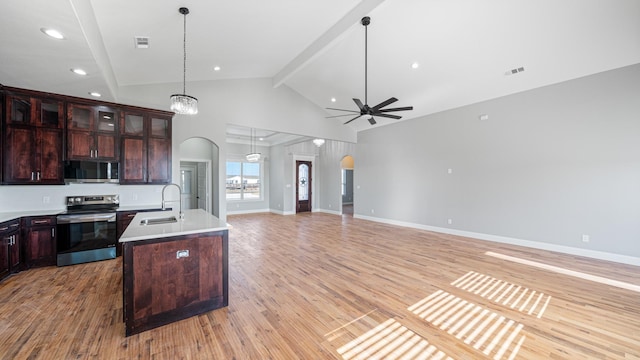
(365, 110)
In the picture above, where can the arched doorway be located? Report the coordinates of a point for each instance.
(346, 165)
(199, 164)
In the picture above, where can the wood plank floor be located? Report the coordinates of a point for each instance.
(320, 286)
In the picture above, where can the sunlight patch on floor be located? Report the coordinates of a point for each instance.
(504, 293)
(480, 328)
(563, 271)
(390, 340)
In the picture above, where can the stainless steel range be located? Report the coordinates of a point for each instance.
(87, 230)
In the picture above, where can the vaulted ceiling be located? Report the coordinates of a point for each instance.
(465, 49)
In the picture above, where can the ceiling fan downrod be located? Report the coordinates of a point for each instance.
(365, 21)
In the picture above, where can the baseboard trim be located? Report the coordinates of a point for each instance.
(600, 255)
(333, 212)
(241, 212)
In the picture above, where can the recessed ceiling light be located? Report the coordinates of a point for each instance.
(53, 33)
(79, 72)
(333, 99)
(96, 94)
(261, 139)
(415, 65)
(216, 68)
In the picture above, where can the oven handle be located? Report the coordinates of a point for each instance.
(83, 218)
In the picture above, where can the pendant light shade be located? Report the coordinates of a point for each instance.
(183, 103)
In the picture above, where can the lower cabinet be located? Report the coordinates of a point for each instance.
(123, 219)
(40, 241)
(10, 254)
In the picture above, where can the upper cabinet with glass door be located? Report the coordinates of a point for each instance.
(92, 132)
(32, 111)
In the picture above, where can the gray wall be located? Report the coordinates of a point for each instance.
(548, 166)
(331, 153)
(347, 198)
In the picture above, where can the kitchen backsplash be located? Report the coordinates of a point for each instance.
(44, 197)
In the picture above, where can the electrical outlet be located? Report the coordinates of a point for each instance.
(585, 238)
(449, 221)
(372, 211)
(46, 199)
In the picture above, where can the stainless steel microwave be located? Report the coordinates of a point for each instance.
(91, 172)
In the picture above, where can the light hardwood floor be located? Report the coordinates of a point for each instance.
(320, 286)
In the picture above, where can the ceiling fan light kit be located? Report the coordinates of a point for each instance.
(183, 103)
(365, 111)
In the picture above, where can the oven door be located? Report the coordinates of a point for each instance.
(86, 237)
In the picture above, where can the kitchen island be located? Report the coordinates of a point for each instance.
(173, 268)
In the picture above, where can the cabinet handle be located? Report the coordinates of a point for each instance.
(12, 240)
(40, 221)
(33, 176)
(96, 152)
(38, 175)
(4, 228)
(131, 215)
(14, 225)
(53, 232)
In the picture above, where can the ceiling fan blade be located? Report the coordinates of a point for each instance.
(335, 116)
(352, 119)
(372, 121)
(396, 109)
(384, 103)
(389, 116)
(353, 111)
(359, 103)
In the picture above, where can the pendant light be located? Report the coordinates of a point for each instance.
(183, 103)
(253, 156)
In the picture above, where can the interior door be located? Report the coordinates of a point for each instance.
(202, 186)
(303, 186)
(188, 178)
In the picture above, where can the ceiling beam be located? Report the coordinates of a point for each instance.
(325, 41)
(87, 19)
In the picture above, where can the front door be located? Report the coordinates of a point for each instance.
(303, 188)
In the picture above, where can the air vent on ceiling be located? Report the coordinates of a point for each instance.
(514, 71)
(141, 42)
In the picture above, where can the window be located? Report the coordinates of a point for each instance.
(244, 180)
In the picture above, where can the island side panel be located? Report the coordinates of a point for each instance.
(163, 284)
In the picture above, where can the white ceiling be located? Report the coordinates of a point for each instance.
(464, 47)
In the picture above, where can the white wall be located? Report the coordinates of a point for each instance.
(32, 197)
(246, 102)
(548, 166)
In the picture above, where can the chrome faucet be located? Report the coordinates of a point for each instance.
(164, 202)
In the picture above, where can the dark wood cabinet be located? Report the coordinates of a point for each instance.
(40, 131)
(92, 132)
(10, 242)
(146, 148)
(123, 219)
(173, 278)
(33, 140)
(39, 241)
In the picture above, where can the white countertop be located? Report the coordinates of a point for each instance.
(6, 216)
(195, 221)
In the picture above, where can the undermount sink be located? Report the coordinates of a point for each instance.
(160, 220)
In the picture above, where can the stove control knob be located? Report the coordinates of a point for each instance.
(78, 200)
